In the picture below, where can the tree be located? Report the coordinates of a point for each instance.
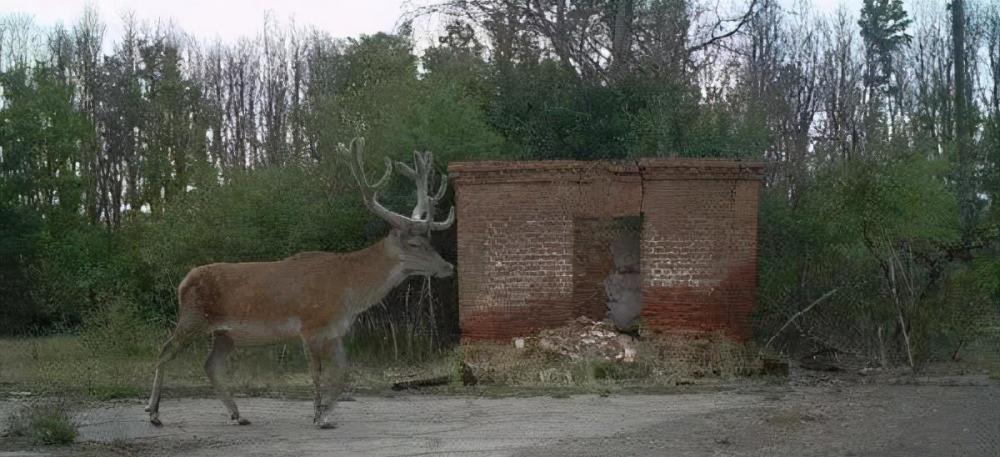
(964, 163)
(40, 134)
(883, 27)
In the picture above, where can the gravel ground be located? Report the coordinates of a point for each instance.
(932, 417)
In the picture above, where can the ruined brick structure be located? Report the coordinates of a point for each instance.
(535, 243)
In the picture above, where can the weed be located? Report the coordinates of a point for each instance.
(43, 424)
(112, 392)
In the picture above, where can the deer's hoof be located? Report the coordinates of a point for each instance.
(155, 421)
(242, 421)
(326, 425)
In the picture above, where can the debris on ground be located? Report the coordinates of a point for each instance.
(421, 382)
(584, 338)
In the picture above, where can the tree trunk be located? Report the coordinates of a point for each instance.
(966, 192)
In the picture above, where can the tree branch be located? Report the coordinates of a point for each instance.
(799, 313)
(741, 22)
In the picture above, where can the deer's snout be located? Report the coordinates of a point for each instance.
(446, 271)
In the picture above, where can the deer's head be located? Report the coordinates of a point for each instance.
(410, 237)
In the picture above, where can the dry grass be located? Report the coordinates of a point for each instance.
(667, 360)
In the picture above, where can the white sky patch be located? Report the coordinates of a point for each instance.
(229, 20)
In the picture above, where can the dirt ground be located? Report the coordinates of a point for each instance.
(946, 416)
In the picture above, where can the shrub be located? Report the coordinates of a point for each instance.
(43, 424)
(120, 327)
(263, 215)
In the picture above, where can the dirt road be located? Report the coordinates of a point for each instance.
(933, 419)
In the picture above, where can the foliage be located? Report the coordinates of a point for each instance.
(884, 25)
(122, 328)
(877, 233)
(43, 424)
(40, 133)
(267, 214)
(77, 264)
(123, 167)
(19, 231)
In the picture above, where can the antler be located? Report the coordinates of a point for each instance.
(426, 204)
(423, 213)
(369, 192)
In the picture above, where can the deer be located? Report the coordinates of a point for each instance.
(312, 296)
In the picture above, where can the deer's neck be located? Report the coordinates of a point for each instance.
(384, 272)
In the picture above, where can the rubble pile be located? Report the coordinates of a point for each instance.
(584, 338)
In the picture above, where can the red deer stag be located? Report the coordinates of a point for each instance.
(314, 296)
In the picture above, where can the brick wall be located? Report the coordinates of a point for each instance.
(533, 242)
(591, 263)
(699, 247)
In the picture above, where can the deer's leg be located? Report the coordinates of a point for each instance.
(215, 366)
(178, 340)
(315, 352)
(334, 375)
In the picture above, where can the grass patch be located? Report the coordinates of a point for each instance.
(659, 361)
(43, 424)
(86, 367)
(112, 392)
(615, 371)
(68, 366)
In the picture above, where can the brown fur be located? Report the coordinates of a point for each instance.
(311, 295)
(309, 286)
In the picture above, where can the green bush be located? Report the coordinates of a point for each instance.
(43, 424)
(19, 231)
(122, 328)
(263, 215)
(877, 232)
(964, 309)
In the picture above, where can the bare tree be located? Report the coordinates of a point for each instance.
(274, 93)
(600, 40)
(781, 65)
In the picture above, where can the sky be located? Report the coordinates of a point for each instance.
(228, 20)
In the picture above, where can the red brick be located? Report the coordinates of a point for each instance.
(533, 242)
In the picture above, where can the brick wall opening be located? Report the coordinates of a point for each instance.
(623, 283)
(606, 268)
